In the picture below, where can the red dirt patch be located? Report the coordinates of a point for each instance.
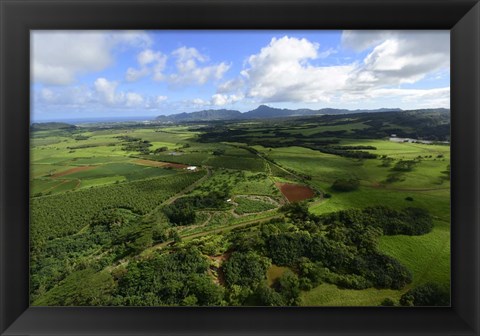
(73, 170)
(162, 164)
(295, 192)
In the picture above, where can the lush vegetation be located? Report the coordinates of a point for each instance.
(246, 205)
(118, 219)
(57, 216)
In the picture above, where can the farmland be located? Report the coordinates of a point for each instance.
(313, 211)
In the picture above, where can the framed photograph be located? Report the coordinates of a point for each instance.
(226, 167)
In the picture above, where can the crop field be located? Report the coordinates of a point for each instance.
(325, 207)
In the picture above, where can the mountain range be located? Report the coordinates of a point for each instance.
(264, 112)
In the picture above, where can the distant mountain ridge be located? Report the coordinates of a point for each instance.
(264, 112)
(205, 115)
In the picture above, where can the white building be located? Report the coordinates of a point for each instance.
(192, 168)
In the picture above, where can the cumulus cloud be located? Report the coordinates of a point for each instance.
(285, 70)
(67, 96)
(150, 62)
(57, 57)
(200, 102)
(221, 99)
(190, 71)
(281, 72)
(397, 57)
(133, 99)
(419, 97)
(102, 94)
(160, 99)
(236, 84)
(107, 91)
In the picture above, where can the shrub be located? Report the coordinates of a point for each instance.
(345, 185)
(429, 294)
(387, 303)
(245, 269)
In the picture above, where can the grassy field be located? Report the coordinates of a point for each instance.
(427, 256)
(92, 170)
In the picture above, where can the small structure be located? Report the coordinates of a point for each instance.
(229, 200)
(393, 135)
(192, 168)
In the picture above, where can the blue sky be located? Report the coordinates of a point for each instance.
(85, 74)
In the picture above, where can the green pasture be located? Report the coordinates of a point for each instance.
(426, 256)
(246, 205)
(255, 184)
(330, 295)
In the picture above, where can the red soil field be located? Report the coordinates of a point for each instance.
(295, 192)
(160, 164)
(73, 170)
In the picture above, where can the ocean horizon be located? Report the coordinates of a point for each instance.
(91, 120)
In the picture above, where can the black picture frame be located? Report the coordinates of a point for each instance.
(18, 17)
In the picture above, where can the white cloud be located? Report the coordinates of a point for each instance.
(107, 94)
(328, 52)
(107, 89)
(132, 38)
(200, 102)
(188, 70)
(360, 40)
(419, 98)
(281, 72)
(397, 57)
(57, 57)
(150, 62)
(133, 74)
(236, 84)
(133, 99)
(160, 99)
(284, 70)
(221, 99)
(66, 96)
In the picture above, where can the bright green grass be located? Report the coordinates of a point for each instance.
(47, 159)
(314, 163)
(93, 182)
(427, 256)
(437, 202)
(46, 141)
(128, 170)
(40, 170)
(331, 295)
(220, 180)
(97, 160)
(43, 185)
(246, 205)
(263, 186)
(399, 150)
(67, 185)
(159, 144)
(164, 135)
